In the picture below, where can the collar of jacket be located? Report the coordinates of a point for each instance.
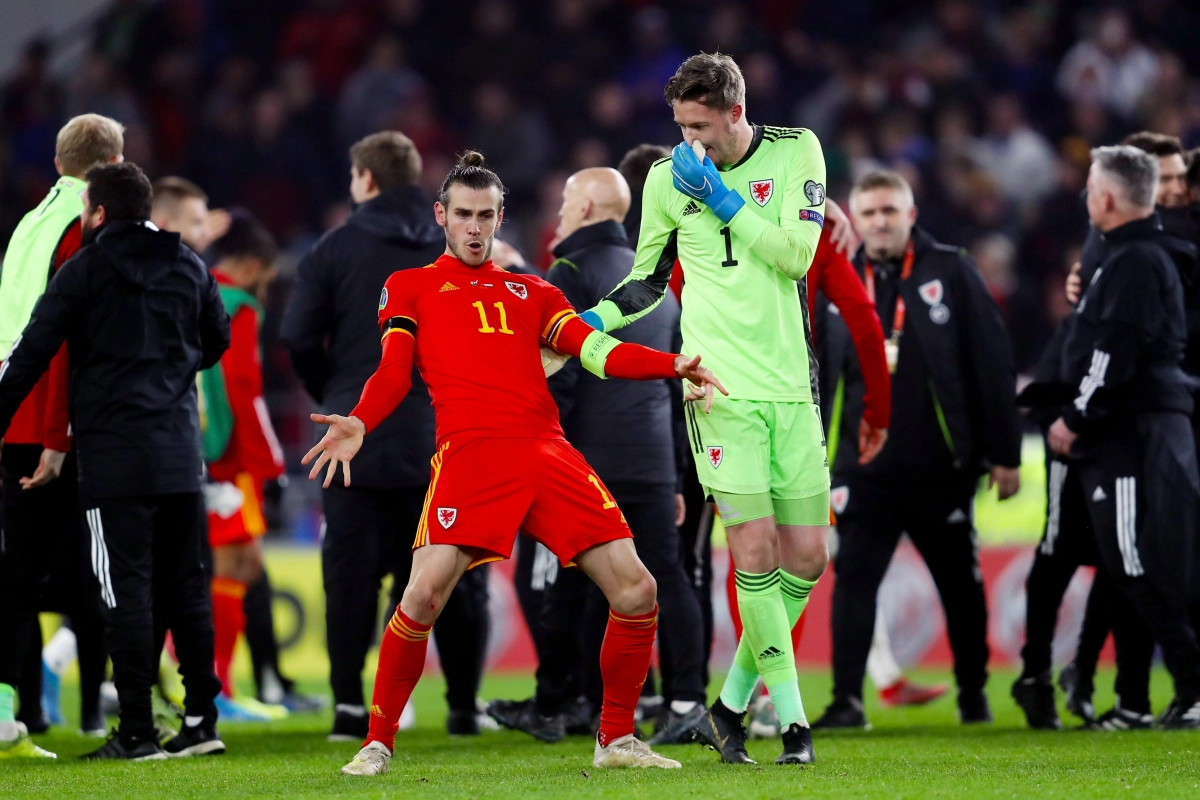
(607, 232)
(922, 244)
(1144, 228)
(402, 213)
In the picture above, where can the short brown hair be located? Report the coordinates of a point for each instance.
(390, 155)
(122, 188)
(882, 179)
(171, 190)
(712, 80)
(1156, 144)
(87, 140)
(635, 165)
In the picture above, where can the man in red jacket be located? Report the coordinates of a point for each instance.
(239, 442)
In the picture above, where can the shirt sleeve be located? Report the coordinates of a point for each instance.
(657, 250)
(556, 310)
(789, 246)
(56, 424)
(397, 307)
(839, 282)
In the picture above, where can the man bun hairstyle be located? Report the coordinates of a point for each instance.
(391, 157)
(470, 172)
(1134, 170)
(122, 189)
(87, 140)
(246, 238)
(1156, 144)
(712, 80)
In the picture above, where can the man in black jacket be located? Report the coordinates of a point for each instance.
(1068, 541)
(953, 419)
(1128, 425)
(332, 335)
(624, 430)
(141, 315)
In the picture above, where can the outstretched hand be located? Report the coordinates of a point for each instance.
(339, 444)
(703, 382)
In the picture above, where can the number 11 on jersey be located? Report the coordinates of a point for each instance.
(483, 320)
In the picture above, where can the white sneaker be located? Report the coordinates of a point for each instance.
(482, 719)
(371, 760)
(629, 751)
(408, 717)
(764, 722)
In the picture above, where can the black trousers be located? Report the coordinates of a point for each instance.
(1067, 543)
(260, 634)
(937, 518)
(1143, 488)
(368, 534)
(44, 567)
(146, 556)
(574, 613)
(695, 539)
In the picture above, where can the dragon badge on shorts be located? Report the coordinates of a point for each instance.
(446, 516)
(716, 454)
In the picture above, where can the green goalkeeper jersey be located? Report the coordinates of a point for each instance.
(741, 308)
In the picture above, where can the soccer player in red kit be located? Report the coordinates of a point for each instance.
(502, 464)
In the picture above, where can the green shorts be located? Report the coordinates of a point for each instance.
(749, 452)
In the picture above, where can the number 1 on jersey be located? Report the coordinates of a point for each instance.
(483, 320)
(729, 261)
(608, 501)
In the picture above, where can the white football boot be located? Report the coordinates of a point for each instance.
(371, 760)
(629, 751)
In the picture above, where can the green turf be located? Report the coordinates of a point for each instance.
(913, 753)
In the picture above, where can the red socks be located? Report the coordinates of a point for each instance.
(624, 660)
(229, 620)
(401, 660)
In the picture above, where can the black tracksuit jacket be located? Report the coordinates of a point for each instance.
(331, 328)
(953, 406)
(141, 315)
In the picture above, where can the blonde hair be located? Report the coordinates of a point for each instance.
(87, 140)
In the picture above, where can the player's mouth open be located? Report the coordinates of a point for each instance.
(475, 247)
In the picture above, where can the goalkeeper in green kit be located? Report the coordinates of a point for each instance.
(744, 222)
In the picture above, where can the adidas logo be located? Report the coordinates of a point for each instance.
(377, 711)
(691, 208)
(1099, 495)
(448, 287)
(770, 652)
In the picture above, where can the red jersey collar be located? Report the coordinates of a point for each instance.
(447, 260)
(224, 279)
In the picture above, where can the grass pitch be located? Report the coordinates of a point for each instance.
(913, 753)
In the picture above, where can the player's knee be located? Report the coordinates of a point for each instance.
(641, 594)
(422, 601)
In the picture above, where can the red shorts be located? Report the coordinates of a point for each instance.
(242, 525)
(482, 491)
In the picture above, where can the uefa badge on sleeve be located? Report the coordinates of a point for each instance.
(383, 299)
(932, 293)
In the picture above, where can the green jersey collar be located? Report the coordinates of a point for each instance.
(754, 143)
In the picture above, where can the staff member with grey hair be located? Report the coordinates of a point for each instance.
(1128, 425)
(954, 418)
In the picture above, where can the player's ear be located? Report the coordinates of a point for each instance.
(439, 213)
(737, 112)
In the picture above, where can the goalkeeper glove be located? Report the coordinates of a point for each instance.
(701, 181)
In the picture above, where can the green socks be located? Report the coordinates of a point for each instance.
(8, 697)
(744, 672)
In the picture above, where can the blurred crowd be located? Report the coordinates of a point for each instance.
(989, 107)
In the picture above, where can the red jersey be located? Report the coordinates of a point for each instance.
(253, 447)
(478, 331)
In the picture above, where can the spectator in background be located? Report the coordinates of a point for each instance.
(1110, 66)
(1017, 158)
(516, 140)
(373, 94)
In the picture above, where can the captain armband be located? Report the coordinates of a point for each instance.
(406, 324)
(596, 348)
